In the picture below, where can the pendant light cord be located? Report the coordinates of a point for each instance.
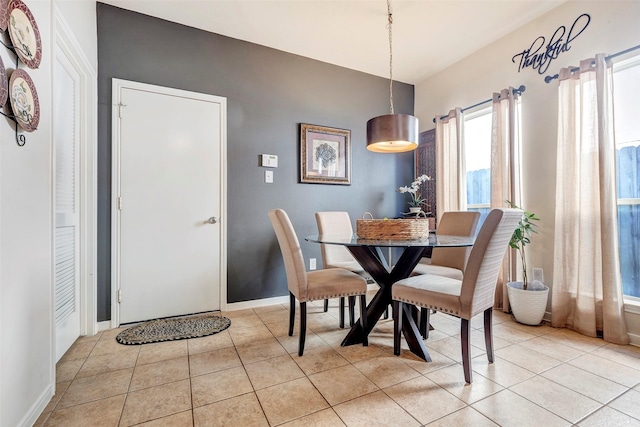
(390, 18)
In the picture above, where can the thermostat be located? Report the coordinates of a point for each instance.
(269, 160)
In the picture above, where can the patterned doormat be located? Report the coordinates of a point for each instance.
(177, 328)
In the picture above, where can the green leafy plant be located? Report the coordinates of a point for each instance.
(521, 237)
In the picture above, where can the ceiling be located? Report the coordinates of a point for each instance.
(428, 35)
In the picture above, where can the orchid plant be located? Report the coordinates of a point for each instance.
(416, 199)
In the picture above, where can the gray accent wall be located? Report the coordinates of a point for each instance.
(269, 93)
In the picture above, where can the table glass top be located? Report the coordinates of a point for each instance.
(433, 240)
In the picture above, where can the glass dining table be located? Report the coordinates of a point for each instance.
(369, 254)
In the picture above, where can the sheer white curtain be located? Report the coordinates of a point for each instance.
(451, 187)
(506, 177)
(587, 289)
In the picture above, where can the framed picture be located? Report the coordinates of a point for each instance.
(325, 155)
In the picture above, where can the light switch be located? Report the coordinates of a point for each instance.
(268, 177)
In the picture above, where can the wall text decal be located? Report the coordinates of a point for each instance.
(539, 56)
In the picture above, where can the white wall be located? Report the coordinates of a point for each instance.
(27, 362)
(613, 27)
(80, 16)
(27, 367)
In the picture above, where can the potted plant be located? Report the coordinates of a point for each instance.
(528, 300)
(416, 202)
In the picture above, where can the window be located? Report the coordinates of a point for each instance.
(477, 141)
(626, 82)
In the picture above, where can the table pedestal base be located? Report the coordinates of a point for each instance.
(374, 263)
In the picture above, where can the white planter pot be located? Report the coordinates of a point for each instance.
(528, 306)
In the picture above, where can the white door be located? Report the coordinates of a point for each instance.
(66, 249)
(168, 187)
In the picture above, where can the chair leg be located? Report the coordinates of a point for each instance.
(488, 333)
(352, 307)
(424, 322)
(326, 305)
(292, 312)
(341, 312)
(465, 338)
(363, 319)
(397, 326)
(303, 327)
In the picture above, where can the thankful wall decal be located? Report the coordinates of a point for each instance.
(540, 54)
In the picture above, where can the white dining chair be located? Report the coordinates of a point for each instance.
(338, 256)
(464, 298)
(313, 285)
(448, 262)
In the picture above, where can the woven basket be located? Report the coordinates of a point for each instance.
(392, 229)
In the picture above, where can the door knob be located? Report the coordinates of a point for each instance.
(212, 220)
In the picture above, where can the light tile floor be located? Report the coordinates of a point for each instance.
(251, 375)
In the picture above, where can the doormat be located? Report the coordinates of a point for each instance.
(179, 328)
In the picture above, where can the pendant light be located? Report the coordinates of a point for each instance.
(392, 133)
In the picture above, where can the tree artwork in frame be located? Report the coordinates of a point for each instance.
(325, 155)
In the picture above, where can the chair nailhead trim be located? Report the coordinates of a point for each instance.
(433, 307)
(337, 296)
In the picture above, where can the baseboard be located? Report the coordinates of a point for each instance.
(38, 407)
(242, 305)
(103, 326)
(634, 339)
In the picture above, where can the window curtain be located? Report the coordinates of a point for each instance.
(506, 177)
(451, 187)
(587, 287)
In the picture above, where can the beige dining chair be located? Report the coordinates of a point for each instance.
(448, 262)
(338, 256)
(467, 297)
(313, 285)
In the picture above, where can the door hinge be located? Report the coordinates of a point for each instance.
(119, 295)
(120, 105)
(119, 203)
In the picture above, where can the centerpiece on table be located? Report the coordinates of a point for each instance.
(417, 202)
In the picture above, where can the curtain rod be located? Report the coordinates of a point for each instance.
(517, 90)
(548, 79)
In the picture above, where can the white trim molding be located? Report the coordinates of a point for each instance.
(243, 305)
(88, 88)
(117, 85)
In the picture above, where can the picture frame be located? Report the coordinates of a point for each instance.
(325, 155)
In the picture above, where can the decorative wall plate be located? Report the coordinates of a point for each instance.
(4, 84)
(24, 100)
(24, 34)
(4, 14)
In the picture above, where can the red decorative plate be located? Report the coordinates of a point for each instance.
(4, 84)
(24, 100)
(24, 34)
(4, 14)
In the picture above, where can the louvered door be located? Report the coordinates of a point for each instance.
(66, 295)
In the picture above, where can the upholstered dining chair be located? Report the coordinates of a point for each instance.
(448, 262)
(338, 256)
(313, 285)
(467, 297)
